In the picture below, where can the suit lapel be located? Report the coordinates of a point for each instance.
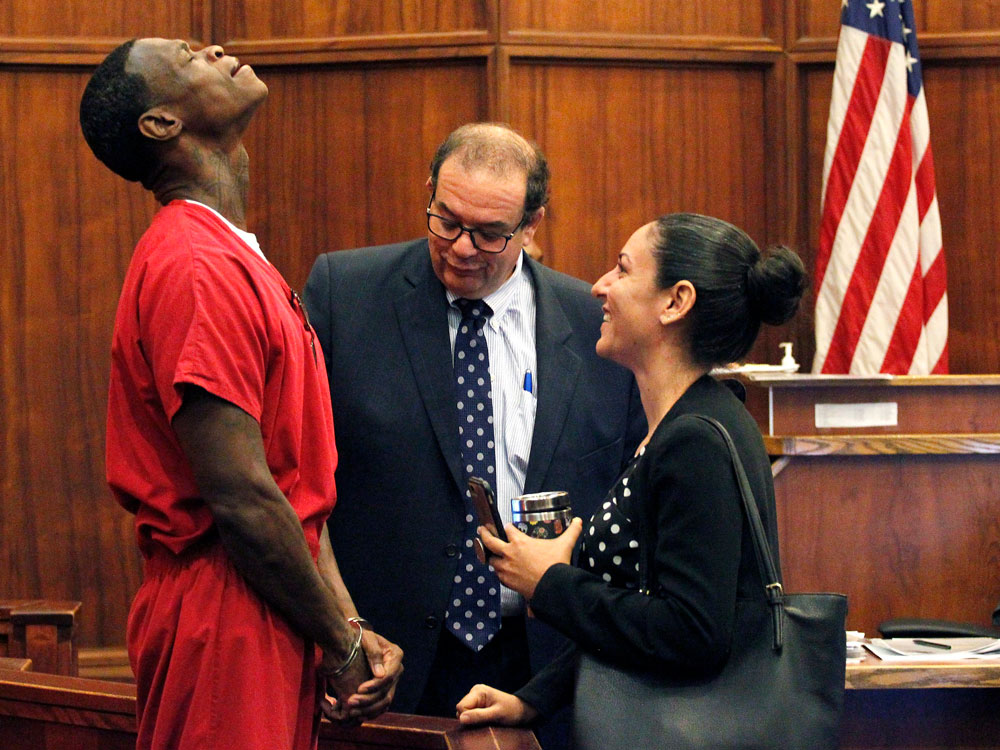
(558, 370)
(421, 314)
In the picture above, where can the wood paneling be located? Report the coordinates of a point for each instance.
(307, 19)
(821, 18)
(68, 227)
(926, 527)
(116, 19)
(627, 143)
(354, 174)
(673, 18)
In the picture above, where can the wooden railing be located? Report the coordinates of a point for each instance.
(54, 712)
(40, 630)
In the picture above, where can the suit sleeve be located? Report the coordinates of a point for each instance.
(552, 688)
(685, 628)
(316, 297)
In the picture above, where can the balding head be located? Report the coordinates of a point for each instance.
(498, 150)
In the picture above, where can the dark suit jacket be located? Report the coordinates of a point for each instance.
(381, 317)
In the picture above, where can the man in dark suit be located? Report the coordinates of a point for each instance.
(564, 419)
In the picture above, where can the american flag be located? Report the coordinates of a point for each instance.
(881, 301)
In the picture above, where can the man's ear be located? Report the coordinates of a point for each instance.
(160, 124)
(531, 226)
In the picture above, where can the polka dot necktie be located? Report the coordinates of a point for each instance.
(473, 614)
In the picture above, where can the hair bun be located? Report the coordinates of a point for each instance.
(775, 284)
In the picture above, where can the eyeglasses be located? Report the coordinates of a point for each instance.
(485, 241)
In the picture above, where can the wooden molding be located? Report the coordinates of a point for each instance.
(875, 445)
(659, 41)
(875, 674)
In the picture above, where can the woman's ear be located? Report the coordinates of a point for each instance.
(679, 299)
(160, 124)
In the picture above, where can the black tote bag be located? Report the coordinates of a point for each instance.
(782, 686)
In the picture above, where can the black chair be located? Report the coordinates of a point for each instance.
(915, 627)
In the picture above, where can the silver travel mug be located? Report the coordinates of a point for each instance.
(543, 515)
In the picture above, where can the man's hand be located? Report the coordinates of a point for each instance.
(340, 687)
(373, 696)
(521, 562)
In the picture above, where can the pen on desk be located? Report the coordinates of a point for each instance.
(932, 644)
(528, 386)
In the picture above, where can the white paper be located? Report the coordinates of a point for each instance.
(911, 649)
(884, 414)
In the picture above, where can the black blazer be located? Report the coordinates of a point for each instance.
(381, 318)
(704, 559)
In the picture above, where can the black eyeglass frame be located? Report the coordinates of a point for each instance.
(468, 230)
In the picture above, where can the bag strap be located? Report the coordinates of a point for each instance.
(762, 550)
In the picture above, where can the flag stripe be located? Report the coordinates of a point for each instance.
(864, 97)
(880, 278)
(872, 257)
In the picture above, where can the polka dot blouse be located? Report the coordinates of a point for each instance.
(610, 549)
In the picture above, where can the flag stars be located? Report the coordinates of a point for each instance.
(910, 59)
(875, 8)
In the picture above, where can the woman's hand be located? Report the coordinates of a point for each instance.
(521, 562)
(486, 705)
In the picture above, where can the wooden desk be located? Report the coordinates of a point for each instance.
(903, 518)
(921, 705)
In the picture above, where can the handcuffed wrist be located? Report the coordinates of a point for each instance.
(355, 647)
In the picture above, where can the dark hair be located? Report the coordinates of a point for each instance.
(110, 109)
(737, 287)
(498, 148)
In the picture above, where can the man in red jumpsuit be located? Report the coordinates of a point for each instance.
(219, 435)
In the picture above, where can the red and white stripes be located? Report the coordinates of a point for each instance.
(881, 304)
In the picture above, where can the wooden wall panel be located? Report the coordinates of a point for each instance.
(305, 19)
(639, 17)
(353, 174)
(964, 109)
(821, 18)
(68, 228)
(629, 143)
(72, 19)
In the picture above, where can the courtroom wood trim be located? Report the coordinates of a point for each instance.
(875, 674)
(782, 380)
(689, 55)
(83, 51)
(947, 43)
(876, 445)
(364, 41)
(638, 41)
(15, 664)
(279, 55)
(76, 701)
(105, 663)
(502, 81)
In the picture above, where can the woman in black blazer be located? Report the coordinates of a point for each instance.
(689, 292)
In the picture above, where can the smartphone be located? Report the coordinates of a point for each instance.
(484, 503)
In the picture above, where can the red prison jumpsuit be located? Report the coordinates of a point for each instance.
(215, 667)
